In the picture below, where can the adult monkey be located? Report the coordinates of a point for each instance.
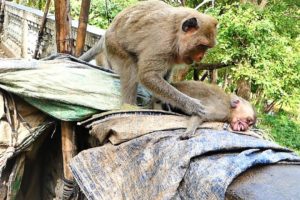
(146, 40)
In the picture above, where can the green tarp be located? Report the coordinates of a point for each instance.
(64, 89)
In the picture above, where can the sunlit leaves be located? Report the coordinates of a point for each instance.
(264, 53)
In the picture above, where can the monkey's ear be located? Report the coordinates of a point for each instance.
(190, 24)
(234, 103)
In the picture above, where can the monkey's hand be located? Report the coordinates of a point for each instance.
(192, 126)
(190, 132)
(194, 107)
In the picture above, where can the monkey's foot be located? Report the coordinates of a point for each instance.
(188, 134)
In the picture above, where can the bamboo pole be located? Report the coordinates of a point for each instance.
(81, 32)
(41, 31)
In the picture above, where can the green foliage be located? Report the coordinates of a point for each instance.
(284, 129)
(102, 12)
(262, 50)
(38, 4)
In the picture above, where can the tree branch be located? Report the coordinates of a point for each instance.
(204, 2)
(182, 2)
(263, 4)
(211, 66)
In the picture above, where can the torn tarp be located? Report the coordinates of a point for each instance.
(20, 125)
(63, 88)
(158, 165)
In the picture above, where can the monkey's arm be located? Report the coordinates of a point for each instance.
(152, 78)
(92, 52)
(192, 126)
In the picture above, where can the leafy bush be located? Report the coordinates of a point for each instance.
(101, 12)
(264, 52)
(284, 129)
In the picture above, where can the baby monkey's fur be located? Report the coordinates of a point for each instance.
(219, 106)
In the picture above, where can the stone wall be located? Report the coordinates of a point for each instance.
(20, 32)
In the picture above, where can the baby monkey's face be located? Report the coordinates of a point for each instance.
(242, 115)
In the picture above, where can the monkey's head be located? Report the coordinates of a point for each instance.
(243, 115)
(197, 34)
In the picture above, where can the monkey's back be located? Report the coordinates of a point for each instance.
(136, 27)
(215, 100)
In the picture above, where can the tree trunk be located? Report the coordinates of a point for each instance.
(41, 31)
(225, 79)
(263, 4)
(254, 2)
(196, 74)
(213, 76)
(244, 89)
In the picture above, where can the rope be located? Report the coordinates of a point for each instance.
(70, 189)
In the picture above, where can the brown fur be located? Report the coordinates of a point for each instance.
(179, 73)
(219, 106)
(215, 100)
(146, 40)
(102, 61)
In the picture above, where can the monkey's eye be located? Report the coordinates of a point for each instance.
(250, 121)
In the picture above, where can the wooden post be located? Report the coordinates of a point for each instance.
(41, 31)
(2, 6)
(64, 44)
(81, 32)
(68, 146)
(64, 41)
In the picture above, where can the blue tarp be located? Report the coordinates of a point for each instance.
(158, 165)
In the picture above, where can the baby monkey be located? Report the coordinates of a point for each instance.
(219, 106)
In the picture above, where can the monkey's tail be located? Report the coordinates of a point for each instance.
(92, 52)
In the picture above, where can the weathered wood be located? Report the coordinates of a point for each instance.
(64, 40)
(64, 44)
(2, 6)
(41, 30)
(68, 147)
(81, 32)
